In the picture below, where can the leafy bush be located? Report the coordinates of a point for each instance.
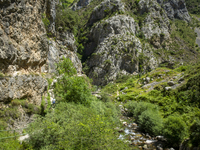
(46, 21)
(73, 126)
(195, 133)
(193, 6)
(150, 122)
(67, 19)
(137, 108)
(73, 89)
(69, 87)
(175, 130)
(147, 116)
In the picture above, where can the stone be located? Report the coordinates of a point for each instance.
(148, 79)
(171, 83)
(125, 123)
(145, 146)
(168, 88)
(181, 80)
(160, 138)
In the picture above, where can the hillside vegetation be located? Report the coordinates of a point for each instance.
(137, 64)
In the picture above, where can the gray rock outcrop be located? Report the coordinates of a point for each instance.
(117, 49)
(22, 35)
(80, 4)
(197, 30)
(23, 38)
(175, 9)
(156, 25)
(106, 7)
(23, 87)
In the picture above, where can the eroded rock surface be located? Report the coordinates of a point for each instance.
(22, 35)
(23, 87)
(80, 4)
(175, 9)
(106, 7)
(117, 49)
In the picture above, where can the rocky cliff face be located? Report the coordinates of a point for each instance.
(117, 49)
(121, 45)
(25, 48)
(80, 4)
(22, 35)
(23, 87)
(175, 9)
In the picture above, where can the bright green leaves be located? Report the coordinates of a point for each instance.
(70, 87)
(66, 67)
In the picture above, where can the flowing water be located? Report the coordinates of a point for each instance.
(131, 134)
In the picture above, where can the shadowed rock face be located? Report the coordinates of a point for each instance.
(117, 48)
(80, 4)
(175, 9)
(106, 6)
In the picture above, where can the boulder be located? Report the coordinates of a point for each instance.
(168, 88)
(171, 83)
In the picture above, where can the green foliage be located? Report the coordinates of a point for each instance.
(72, 89)
(147, 116)
(105, 97)
(66, 19)
(175, 130)
(46, 21)
(151, 122)
(193, 6)
(195, 133)
(69, 87)
(185, 32)
(66, 68)
(108, 61)
(10, 143)
(76, 127)
(66, 3)
(1, 74)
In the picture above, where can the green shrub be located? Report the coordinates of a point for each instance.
(105, 97)
(151, 122)
(1, 74)
(175, 130)
(66, 67)
(137, 108)
(147, 116)
(73, 126)
(72, 89)
(195, 133)
(46, 21)
(67, 19)
(69, 87)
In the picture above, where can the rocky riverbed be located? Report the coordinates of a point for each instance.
(130, 133)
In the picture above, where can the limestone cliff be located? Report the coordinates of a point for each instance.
(25, 48)
(124, 44)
